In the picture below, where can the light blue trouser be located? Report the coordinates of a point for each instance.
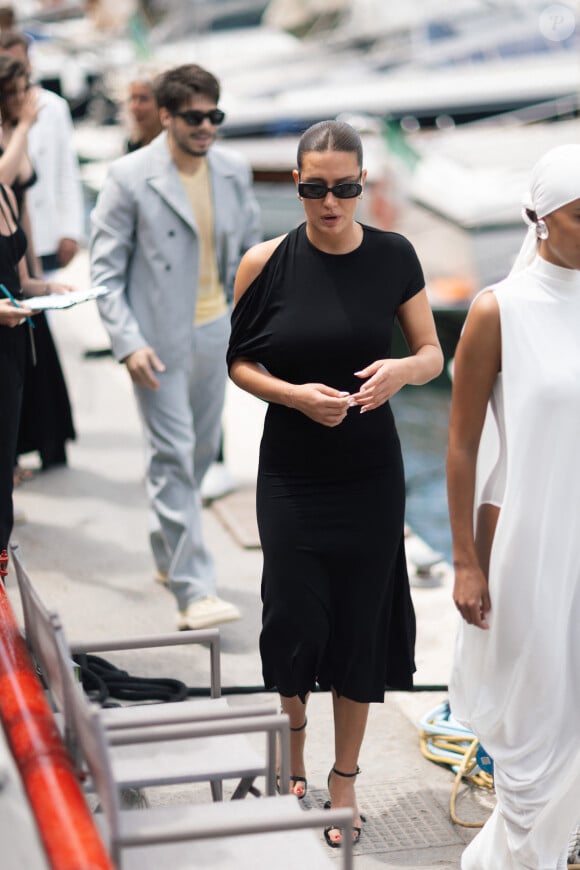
(183, 425)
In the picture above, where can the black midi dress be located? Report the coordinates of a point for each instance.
(46, 421)
(14, 346)
(337, 609)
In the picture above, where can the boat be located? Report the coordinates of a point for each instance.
(479, 58)
(472, 180)
(431, 97)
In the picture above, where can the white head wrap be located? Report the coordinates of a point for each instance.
(554, 182)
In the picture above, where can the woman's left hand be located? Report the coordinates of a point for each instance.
(385, 378)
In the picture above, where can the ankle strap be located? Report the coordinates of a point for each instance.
(347, 775)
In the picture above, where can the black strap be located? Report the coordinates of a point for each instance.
(6, 199)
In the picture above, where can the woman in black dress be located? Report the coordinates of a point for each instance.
(46, 418)
(311, 335)
(14, 344)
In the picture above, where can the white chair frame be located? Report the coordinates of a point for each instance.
(217, 751)
(173, 835)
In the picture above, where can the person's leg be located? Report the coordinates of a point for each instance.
(219, 480)
(12, 360)
(207, 391)
(177, 535)
(350, 720)
(296, 711)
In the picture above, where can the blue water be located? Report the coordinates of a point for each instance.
(422, 415)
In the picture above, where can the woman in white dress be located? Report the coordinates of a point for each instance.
(514, 492)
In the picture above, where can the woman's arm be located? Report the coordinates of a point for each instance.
(37, 286)
(322, 404)
(387, 376)
(418, 325)
(477, 363)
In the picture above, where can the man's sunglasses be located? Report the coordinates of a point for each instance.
(311, 190)
(194, 117)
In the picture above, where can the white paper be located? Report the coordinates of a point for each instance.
(63, 300)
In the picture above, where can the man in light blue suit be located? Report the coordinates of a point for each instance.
(167, 233)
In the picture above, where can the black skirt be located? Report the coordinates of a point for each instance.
(337, 606)
(13, 349)
(46, 422)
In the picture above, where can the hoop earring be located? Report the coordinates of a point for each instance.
(542, 231)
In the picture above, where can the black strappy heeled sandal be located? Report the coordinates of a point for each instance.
(295, 780)
(356, 829)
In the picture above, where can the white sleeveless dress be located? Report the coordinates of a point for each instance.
(517, 686)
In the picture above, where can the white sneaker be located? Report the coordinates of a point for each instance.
(218, 481)
(205, 612)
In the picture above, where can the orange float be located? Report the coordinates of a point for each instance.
(66, 827)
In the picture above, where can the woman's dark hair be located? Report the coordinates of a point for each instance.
(330, 136)
(177, 86)
(532, 215)
(10, 69)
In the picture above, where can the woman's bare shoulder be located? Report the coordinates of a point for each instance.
(480, 342)
(252, 264)
(483, 315)
(485, 304)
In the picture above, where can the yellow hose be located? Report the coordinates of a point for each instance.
(464, 771)
(458, 745)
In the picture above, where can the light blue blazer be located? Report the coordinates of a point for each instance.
(144, 246)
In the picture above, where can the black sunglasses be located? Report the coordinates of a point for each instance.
(312, 190)
(194, 117)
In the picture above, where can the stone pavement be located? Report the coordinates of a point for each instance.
(85, 545)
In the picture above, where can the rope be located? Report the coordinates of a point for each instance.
(465, 772)
(102, 680)
(444, 741)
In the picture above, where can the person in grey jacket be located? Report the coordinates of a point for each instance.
(167, 232)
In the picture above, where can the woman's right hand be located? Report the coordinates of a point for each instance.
(471, 595)
(320, 403)
(11, 315)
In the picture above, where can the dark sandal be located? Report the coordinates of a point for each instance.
(296, 779)
(328, 805)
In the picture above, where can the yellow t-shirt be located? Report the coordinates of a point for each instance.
(211, 300)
